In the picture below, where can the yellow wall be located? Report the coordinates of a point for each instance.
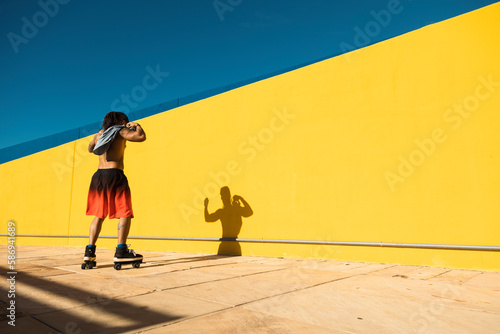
(330, 169)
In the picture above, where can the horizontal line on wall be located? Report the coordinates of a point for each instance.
(284, 241)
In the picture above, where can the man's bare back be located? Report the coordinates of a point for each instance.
(113, 157)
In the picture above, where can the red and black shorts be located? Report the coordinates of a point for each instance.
(109, 193)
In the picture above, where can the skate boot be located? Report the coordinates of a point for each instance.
(124, 255)
(89, 258)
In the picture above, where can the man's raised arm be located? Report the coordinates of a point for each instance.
(246, 210)
(211, 217)
(133, 132)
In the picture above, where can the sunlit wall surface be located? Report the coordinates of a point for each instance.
(395, 143)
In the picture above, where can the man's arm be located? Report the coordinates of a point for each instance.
(136, 133)
(211, 217)
(246, 210)
(93, 142)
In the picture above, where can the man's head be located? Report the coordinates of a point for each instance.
(225, 195)
(114, 118)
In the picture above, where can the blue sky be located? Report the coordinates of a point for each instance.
(83, 57)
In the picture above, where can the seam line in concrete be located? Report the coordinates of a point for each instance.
(480, 273)
(46, 324)
(444, 272)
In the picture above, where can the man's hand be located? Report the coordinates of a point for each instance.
(246, 209)
(132, 125)
(206, 202)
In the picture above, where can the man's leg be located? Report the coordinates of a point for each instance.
(123, 229)
(123, 254)
(95, 229)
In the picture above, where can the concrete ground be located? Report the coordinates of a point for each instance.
(193, 293)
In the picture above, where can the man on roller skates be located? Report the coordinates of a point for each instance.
(109, 192)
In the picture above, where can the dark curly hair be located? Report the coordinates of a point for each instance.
(113, 118)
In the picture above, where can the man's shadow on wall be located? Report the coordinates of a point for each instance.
(233, 209)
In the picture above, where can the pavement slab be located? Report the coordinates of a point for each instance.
(24, 325)
(271, 261)
(129, 315)
(488, 280)
(201, 260)
(359, 308)
(34, 270)
(395, 271)
(240, 269)
(103, 269)
(303, 276)
(328, 265)
(236, 291)
(455, 276)
(53, 260)
(38, 252)
(424, 273)
(426, 292)
(241, 321)
(172, 280)
(36, 295)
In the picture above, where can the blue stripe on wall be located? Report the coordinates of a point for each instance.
(24, 149)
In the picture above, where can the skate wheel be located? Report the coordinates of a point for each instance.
(83, 265)
(90, 265)
(94, 264)
(118, 266)
(136, 265)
